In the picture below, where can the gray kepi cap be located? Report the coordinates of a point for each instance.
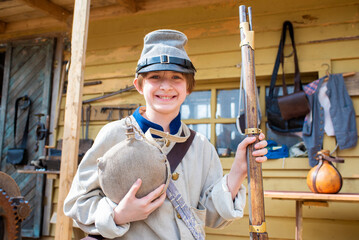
(163, 50)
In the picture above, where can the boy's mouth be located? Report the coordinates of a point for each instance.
(165, 97)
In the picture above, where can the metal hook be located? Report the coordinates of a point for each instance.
(327, 72)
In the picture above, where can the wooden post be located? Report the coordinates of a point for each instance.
(69, 157)
(299, 220)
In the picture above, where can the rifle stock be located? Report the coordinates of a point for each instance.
(257, 224)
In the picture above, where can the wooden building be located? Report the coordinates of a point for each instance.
(35, 46)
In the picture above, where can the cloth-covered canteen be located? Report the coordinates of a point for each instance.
(129, 160)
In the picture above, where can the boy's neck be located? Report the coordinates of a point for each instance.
(163, 120)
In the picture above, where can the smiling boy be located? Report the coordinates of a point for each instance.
(164, 76)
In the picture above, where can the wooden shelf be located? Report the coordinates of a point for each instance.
(303, 196)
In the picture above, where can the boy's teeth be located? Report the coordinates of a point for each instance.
(165, 97)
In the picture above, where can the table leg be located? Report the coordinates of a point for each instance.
(299, 220)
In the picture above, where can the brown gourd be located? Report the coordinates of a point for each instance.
(324, 177)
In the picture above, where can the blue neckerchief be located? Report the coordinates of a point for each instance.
(146, 124)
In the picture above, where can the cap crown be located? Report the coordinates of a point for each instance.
(163, 50)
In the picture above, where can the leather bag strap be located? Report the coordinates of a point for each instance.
(178, 151)
(280, 60)
(332, 159)
(27, 104)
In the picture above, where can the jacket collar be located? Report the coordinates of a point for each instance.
(146, 124)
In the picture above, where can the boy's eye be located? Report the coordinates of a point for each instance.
(177, 77)
(155, 76)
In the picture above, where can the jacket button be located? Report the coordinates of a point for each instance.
(175, 176)
(179, 216)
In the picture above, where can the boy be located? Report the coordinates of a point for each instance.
(164, 76)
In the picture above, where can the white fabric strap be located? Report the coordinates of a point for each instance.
(165, 135)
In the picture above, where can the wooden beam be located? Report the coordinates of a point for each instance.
(49, 8)
(43, 25)
(147, 7)
(129, 5)
(2, 26)
(71, 136)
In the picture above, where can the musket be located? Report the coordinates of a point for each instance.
(122, 90)
(257, 224)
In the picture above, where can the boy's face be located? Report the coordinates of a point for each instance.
(164, 91)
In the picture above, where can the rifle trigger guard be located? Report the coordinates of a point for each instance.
(248, 35)
(258, 228)
(252, 131)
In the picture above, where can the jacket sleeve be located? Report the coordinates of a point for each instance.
(86, 204)
(216, 197)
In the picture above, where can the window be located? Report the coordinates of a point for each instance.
(213, 112)
(213, 108)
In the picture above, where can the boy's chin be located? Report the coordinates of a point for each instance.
(167, 110)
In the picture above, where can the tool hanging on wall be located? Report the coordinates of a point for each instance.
(41, 130)
(110, 112)
(85, 143)
(93, 83)
(126, 89)
(120, 109)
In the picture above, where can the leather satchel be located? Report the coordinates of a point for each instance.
(286, 113)
(293, 105)
(18, 155)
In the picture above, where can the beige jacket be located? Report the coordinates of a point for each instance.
(200, 182)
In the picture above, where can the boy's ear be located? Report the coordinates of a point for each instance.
(137, 86)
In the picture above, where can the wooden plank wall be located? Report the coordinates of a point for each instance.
(326, 32)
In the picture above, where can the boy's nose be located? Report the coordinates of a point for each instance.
(166, 84)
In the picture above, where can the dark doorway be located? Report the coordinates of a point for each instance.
(2, 66)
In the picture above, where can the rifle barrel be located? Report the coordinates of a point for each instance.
(255, 180)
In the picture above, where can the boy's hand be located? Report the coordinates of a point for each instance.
(238, 171)
(132, 209)
(260, 148)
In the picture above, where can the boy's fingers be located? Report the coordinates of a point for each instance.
(261, 136)
(248, 140)
(261, 159)
(135, 187)
(158, 202)
(261, 144)
(155, 193)
(260, 152)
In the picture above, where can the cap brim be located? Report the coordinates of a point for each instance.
(166, 67)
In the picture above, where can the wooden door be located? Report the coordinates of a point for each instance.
(27, 71)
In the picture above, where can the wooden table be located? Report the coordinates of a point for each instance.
(310, 199)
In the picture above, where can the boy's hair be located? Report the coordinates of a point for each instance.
(188, 76)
